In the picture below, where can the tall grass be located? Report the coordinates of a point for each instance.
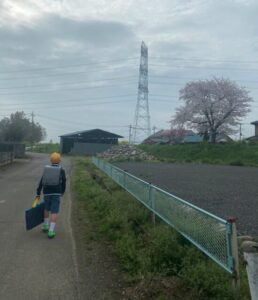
(145, 250)
(240, 154)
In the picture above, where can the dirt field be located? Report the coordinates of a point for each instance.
(222, 190)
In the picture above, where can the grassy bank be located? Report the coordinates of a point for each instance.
(159, 263)
(238, 154)
(45, 148)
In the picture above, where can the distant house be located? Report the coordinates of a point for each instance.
(223, 138)
(88, 142)
(173, 136)
(180, 136)
(254, 138)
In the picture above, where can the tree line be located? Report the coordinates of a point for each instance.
(19, 128)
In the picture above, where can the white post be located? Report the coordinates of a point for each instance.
(250, 250)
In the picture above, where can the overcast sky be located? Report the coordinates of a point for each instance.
(75, 63)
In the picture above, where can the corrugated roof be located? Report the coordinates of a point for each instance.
(193, 139)
(91, 132)
(252, 138)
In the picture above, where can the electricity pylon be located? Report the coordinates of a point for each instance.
(141, 125)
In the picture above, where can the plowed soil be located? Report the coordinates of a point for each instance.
(222, 190)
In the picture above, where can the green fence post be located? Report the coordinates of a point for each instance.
(111, 171)
(152, 203)
(124, 179)
(234, 248)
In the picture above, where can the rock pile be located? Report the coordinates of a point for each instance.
(125, 152)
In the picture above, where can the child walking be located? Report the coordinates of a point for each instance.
(53, 182)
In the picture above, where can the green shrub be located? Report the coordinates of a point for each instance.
(164, 252)
(206, 277)
(127, 252)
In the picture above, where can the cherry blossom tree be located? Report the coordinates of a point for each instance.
(212, 107)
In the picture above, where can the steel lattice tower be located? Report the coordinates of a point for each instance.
(141, 125)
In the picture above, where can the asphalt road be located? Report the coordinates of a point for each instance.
(31, 265)
(222, 190)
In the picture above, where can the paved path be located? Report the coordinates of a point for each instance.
(31, 265)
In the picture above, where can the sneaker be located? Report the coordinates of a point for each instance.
(45, 227)
(51, 234)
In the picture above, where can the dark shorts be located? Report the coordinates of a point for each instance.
(52, 203)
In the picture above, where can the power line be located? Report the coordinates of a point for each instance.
(124, 60)
(83, 99)
(74, 122)
(62, 83)
(207, 60)
(78, 106)
(194, 78)
(112, 68)
(178, 84)
(69, 66)
(59, 74)
(119, 78)
(204, 67)
(85, 102)
(57, 90)
(71, 100)
(97, 87)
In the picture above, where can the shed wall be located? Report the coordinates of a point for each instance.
(89, 148)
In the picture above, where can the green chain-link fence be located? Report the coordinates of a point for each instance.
(211, 234)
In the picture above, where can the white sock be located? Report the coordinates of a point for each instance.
(46, 221)
(52, 226)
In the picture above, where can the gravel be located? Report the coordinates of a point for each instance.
(222, 190)
(125, 152)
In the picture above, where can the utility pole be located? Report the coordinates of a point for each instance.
(32, 117)
(154, 129)
(32, 128)
(240, 131)
(130, 134)
(141, 125)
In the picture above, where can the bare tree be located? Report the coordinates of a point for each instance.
(212, 107)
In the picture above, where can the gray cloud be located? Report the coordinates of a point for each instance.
(222, 30)
(52, 33)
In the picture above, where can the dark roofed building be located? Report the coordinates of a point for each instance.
(254, 138)
(87, 142)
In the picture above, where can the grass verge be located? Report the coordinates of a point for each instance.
(159, 263)
(235, 154)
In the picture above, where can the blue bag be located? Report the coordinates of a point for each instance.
(34, 216)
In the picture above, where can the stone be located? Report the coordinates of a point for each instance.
(125, 152)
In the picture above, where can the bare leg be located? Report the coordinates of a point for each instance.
(46, 214)
(53, 218)
(51, 232)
